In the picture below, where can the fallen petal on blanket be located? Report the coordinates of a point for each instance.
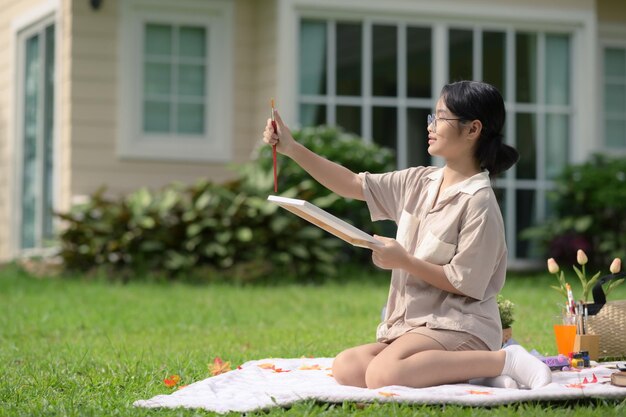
(218, 366)
(475, 392)
(315, 367)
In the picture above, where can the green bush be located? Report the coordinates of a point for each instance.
(589, 213)
(229, 230)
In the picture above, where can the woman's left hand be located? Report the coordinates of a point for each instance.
(389, 255)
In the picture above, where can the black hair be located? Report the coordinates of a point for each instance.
(472, 100)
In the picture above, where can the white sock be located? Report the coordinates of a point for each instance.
(525, 368)
(502, 381)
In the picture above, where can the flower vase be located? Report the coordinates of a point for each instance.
(506, 334)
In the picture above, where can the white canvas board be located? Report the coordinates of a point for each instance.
(326, 221)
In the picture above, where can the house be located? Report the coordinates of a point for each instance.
(132, 93)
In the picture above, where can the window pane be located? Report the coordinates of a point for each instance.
(158, 40)
(192, 42)
(312, 114)
(501, 197)
(349, 118)
(157, 78)
(460, 52)
(191, 80)
(32, 68)
(417, 137)
(557, 69)
(494, 59)
(312, 57)
(526, 67)
(525, 216)
(557, 144)
(614, 98)
(385, 126)
(419, 62)
(384, 61)
(614, 62)
(190, 118)
(525, 134)
(615, 134)
(348, 71)
(48, 151)
(156, 117)
(550, 206)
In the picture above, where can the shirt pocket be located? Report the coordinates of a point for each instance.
(407, 229)
(434, 250)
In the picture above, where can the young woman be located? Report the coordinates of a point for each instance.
(448, 259)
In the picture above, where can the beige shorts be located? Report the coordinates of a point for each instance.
(451, 340)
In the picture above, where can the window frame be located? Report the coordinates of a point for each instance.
(215, 145)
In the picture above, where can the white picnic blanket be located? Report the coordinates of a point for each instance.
(281, 382)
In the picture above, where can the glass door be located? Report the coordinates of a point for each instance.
(35, 139)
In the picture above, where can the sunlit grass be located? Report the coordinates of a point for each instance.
(79, 347)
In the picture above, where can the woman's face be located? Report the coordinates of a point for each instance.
(449, 139)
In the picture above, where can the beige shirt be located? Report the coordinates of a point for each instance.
(463, 232)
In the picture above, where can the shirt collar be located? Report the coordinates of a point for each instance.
(468, 186)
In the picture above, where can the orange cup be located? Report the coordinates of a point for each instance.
(565, 335)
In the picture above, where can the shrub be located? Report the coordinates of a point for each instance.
(214, 230)
(219, 230)
(589, 207)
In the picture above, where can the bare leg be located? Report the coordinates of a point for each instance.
(350, 365)
(416, 360)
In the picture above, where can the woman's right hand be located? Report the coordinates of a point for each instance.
(282, 138)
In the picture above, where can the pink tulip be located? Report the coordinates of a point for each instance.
(616, 266)
(553, 267)
(581, 257)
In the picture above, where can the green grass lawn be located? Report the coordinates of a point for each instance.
(79, 347)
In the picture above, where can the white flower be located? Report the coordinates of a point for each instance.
(553, 267)
(616, 266)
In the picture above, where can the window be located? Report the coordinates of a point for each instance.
(615, 98)
(377, 79)
(540, 114)
(371, 79)
(175, 80)
(174, 73)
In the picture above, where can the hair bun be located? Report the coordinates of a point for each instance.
(507, 156)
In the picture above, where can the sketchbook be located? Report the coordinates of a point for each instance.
(326, 221)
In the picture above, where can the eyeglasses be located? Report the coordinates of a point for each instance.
(432, 120)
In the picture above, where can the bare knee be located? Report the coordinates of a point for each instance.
(376, 377)
(383, 372)
(348, 369)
